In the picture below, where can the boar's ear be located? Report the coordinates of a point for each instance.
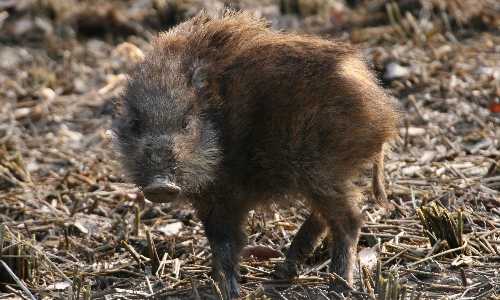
(199, 77)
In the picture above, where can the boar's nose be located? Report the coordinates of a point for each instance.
(161, 190)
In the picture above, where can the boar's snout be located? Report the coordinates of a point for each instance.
(161, 190)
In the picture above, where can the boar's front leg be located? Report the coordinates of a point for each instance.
(223, 227)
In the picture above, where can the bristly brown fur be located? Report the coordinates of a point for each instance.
(237, 115)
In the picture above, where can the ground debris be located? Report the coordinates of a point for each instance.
(70, 226)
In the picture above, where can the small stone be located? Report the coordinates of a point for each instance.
(81, 86)
(395, 70)
(48, 94)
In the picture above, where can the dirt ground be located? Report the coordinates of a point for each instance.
(71, 227)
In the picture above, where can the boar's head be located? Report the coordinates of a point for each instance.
(167, 143)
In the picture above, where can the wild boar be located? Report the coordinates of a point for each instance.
(227, 115)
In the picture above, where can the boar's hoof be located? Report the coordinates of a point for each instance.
(161, 190)
(286, 269)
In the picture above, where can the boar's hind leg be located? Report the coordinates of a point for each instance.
(302, 246)
(344, 220)
(223, 228)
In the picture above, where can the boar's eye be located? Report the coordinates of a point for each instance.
(185, 124)
(135, 126)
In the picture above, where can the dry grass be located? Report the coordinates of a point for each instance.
(69, 226)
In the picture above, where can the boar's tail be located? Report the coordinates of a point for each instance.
(378, 181)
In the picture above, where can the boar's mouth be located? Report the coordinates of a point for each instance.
(161, 190)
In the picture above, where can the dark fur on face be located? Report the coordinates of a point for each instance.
(228, 115)
(161, 130)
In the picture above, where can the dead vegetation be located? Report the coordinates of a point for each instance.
(69, 226)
